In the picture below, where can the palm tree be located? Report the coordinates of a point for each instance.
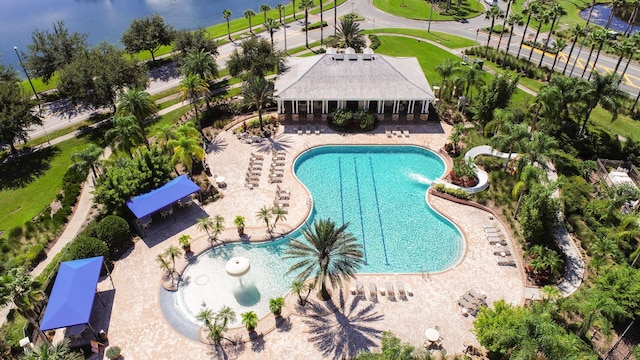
(527, 177)
(558, 46)
(536, 150)
(493, 13)
(138, 103)
(635, 38)
(329, 253)
(445, 69)
(624, 47)
(185, 150)
(218, 227)
(172, 252)
(335, 17)
(205, 223)
(125, 134)
(271, 26)
(472, 76)
(200, 63)
(276, 305)
(321, 23)
(279, 214)
(542, 17)
(293, 7)
(59, 351)
(598, 305)
(504, 23)
(263, 9)
(602, 40)
(556, 12)
(596, 39)
(188, 130)
(512, 20)
(632, 18)
(225, 316)
(530, 10)
(87, 159)
(602, 90)
(456, 135)
(511, 140)
(350, 35)
(192, 87)
(614, 4)
(281, 9)
(306, 5)
(298, 286)
(17, 287)
(164, 264)
(258, 94)
(249, 320)
(226, 14)
(264, 214)
(576, 31)
(248, 14)
(165, 133)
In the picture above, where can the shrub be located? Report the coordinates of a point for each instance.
(84, 247)
(375, 41)
(460, 194)
(313, 26)
(367, 119)
(115, 233)
(61, 216)
(14, 331)
(112, 352)
(341, 117)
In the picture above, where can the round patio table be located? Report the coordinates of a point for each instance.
(432, 334)
(220, 180)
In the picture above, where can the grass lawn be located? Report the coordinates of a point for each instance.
(32, 182)
(572, 8)
(166, 119)
(420, 10)
(448, 40)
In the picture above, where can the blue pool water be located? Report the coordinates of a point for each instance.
(379, 190)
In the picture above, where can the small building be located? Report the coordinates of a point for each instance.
(393, 88)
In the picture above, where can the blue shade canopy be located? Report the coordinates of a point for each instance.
(146, 204)
(73, 292)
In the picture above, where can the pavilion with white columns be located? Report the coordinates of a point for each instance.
(312, 87)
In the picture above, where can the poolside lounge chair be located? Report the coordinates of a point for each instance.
(274, 179)
(282, 190)
(253, 173)
(276, 171)
(472, 300)
(388, 132)
(488, 226)
(506, 262)
(256, 157)
(359, 288)
(281, 203)
(492, 232)
(391, 294)
(282, 196)
(400, 287)
(373, 292)
(405, 132)
(477, 295)
(506, 252)
(316, 131)
(299, 131)
(308, 130)
(275, 157)
(496, 242)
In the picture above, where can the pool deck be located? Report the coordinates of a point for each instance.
(134, 321)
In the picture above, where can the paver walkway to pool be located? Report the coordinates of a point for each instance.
(134, 320)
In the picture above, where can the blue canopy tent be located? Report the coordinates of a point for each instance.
(176, 189)
(73, 293)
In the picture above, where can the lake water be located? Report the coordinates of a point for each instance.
(105, 20)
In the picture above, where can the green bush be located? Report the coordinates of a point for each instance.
(375, 41)
(367, 120)
(115, 232)
(62, 215)
(91, 230)
(341, 117)
(84, 247)
(313, 26)
(460, 194)
(14, 331)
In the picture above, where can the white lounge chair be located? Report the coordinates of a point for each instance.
(405, 132)
(359, 288)
(388, 132)
(373, 291)
(400, 287)
(391, 294)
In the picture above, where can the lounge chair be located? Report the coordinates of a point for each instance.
(472, 300)
(388, 132)
(492, 232)
(373, 291)
(308, 130)
(281, 203)
(477, 295)
(253, 173)
(282, 196)
(316, 131)
(391, 294)
(278, 171)
(496, 242)
(278, 153)
(359, 288)
(506, 262)
(256, 157)
(282, 190)
(275, 179)
(400, 287)
(405, 132)
(500, 253)
(488, 226)
(299, 131)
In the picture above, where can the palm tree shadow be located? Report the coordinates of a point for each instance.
(277, 143)
(217, 145)
(347, 330)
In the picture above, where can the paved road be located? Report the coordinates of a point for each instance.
(165, 78)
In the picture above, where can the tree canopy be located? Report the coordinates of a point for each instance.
(16, 115)
(147, 34)
(52, 50)
(187, 41)
(256, 56)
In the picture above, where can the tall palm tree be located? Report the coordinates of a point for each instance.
(596, 40)
(321, 23)
(249, 14)
(200, 63)
(512, 20)
(602, 90)
(279, 214)
(350, 35)
(504, 23)
(293, 7)
(576, 31)
(511, 140)
(226, 14)
(185, 150)
(172, 253)
(226, 315)
(187, 129)
(614, 5)
(446, 69)
(328, 253)
(271, 26)
(542, 17)
(263, 9)
(601, 37)
(192, 87)
(624, 47)
(530, 10)
(165, 133)
(558, 46)
(205, 223)
(632, 19)
(335, 17)
(635, 38)
(536, 150)
(306, 5)
(258, 94)
(281, 11)
(17, 288)
(264, 214)
(138, 103)
(218, 227)
(472, 76)
(556, 12)
(58, 351)
(493, 13)
(526, 178)
(87, 159)
(125, 134)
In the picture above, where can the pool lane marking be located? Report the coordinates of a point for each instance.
(341, 186)
(375, 193)
(364, 242)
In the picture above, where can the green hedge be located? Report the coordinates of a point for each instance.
(115, 233)
(458, 193)
(313, 26)
(375, 41)
(84, 247)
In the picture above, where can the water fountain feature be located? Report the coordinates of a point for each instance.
(600, 16)
(245, 291)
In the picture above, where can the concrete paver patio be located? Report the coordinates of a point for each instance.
(135, 322)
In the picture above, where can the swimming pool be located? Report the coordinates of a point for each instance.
(379, 190)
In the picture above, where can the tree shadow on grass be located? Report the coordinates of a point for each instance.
(26, 168)
(344, 332)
